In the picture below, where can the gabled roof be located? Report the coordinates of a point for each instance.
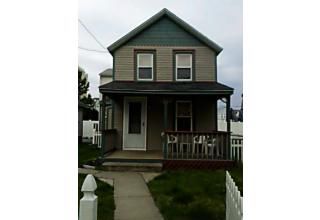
(157, 17)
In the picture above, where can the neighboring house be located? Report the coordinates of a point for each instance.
(106, 77)
(165, 92)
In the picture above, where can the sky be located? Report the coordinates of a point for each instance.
(108, 20)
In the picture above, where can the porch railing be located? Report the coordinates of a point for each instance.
(97, 138)
(208, 145)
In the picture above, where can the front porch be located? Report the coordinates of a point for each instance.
(153, 125)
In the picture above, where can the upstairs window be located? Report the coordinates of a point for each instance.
(183, 67)
(145, 66)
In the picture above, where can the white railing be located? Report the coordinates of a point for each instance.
(234, 203)
(97, 138)
(236, 147)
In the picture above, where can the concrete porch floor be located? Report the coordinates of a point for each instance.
(148, 155)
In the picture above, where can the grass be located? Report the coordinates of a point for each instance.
(87, 152)
(104, 192)
(195, 194)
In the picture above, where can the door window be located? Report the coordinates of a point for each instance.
(134, 118)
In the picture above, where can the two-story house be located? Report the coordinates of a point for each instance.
(164, 92)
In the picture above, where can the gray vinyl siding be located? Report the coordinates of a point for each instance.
(164, 63)
(124, 64)
(205, 62)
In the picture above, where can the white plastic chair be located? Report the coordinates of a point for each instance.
(197, 141)
(209, 146)
(173, 141)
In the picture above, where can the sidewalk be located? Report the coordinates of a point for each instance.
(132, 197)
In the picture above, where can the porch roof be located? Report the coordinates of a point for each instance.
(169, 88)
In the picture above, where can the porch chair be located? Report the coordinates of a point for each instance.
(209, 146)
(197, 141)
(173, 141)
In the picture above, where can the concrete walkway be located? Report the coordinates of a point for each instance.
(131, 194)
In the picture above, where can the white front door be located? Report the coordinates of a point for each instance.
(134, 123)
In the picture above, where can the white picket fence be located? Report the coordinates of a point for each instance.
(234, 203)
(89, 127)
(97, 139)
(91, 132)
(236, 147)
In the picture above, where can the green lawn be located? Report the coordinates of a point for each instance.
(192, 194)
(104, 192)
(87, 152)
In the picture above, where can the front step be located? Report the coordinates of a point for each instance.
(132, 166)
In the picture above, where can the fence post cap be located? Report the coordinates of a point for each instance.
(89, 184)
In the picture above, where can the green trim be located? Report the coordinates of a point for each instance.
(165, 13)
(165, 32)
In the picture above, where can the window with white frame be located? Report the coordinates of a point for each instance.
(183, 67)
(145, 66)
(183, 116)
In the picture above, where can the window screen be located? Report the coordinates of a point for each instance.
(145, 66)
(183, 66)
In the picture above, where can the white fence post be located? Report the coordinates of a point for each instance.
(234, 207)
(96, 139)
(89, 202)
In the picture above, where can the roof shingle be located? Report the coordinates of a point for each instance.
(134, 87)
